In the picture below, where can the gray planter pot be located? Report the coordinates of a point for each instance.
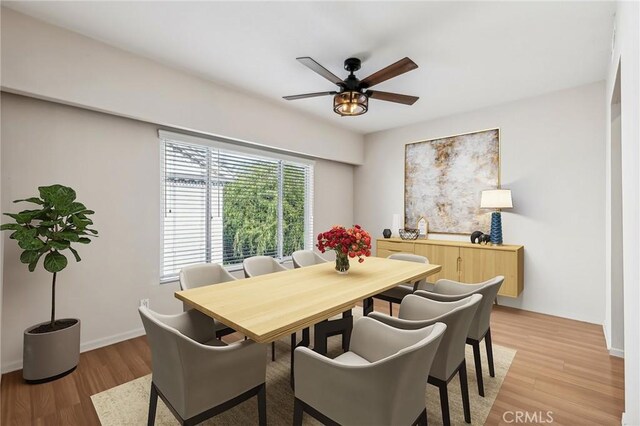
(48, 356)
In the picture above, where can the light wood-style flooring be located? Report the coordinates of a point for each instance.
(561, 366)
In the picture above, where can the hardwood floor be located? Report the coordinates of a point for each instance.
(561, 366)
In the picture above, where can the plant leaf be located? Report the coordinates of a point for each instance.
(10, 226)
(58, 195)
(32, 244)
(55, 262)
(25, 233)
(30, 256)
(75, 254)
(66, 235)
(84, 240)
(73, 208)
(59, 245)
(34, 200)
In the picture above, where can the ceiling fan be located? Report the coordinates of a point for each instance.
(353, 95)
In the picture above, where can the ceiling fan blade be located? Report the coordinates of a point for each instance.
(392, 97)
(308, 95)
(393, 70)
(316, 67)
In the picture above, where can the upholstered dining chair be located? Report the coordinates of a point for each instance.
(396, 294)
(197, 375)
(447, 291)
(203, 274)
(261, 265)
(417, 312)
(379, 381)
(303, 258)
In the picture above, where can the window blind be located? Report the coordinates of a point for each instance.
(223, 205)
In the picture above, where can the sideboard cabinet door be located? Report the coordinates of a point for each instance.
(479, 265)
(445, 256)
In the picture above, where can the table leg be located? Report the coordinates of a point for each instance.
(328, 328)
(294, 344)
(367, 306)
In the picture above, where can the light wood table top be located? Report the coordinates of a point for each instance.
(271, 306)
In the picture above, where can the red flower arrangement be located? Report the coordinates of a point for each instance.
(347, 243)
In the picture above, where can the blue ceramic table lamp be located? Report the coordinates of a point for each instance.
(497, 199)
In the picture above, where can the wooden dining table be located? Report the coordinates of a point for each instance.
(268, 307)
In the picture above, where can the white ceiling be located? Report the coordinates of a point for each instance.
(470, 54)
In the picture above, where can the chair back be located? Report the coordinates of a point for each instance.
(489, 291)
(303, 258)
(202, 274)
(166, 359)
(456, 315)
(410, 257)
(390, 389)
(260, 265)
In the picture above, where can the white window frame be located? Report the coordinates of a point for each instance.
(240, 148)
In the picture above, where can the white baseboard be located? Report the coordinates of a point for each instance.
(84, 347)
(612, 351)
(622, 422)
(616, 352)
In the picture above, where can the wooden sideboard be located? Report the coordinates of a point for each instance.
(465, 262)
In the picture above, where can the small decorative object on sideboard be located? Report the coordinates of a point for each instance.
(386, 233)
(423, 227)
(479, 237)
(409, 233)
(347, 243)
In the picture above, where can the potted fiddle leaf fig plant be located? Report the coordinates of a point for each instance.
(59, 222)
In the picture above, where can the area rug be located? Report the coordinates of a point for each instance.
(128, 403)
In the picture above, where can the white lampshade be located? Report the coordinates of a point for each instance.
(496, 199)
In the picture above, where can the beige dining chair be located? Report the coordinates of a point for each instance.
(303, 258)
(260, 265)
(203, 274)
(196, 375)
(447, 290)
(397, 293)
(379, 381)
(417, 312)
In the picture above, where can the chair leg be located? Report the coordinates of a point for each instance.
(273, 351)
(153, 404)
(464, 390)
(489, 346)
(478, 364)
(262, 405)
(298, 412)
(444, 403)
(422, 419)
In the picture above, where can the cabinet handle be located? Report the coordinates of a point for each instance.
(459, 266)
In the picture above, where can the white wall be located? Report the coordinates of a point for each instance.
(627, 53)
(552, 150)
(113, 164)
(52, 63)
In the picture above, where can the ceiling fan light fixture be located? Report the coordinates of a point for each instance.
(350, 103)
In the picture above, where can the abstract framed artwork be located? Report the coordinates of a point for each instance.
(444, 177)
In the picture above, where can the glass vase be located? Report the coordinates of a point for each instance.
(342, 263)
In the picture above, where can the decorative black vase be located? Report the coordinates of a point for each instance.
(386, 233)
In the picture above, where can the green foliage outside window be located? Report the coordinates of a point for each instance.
(250, 212)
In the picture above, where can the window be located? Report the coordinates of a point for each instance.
(223, 203)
